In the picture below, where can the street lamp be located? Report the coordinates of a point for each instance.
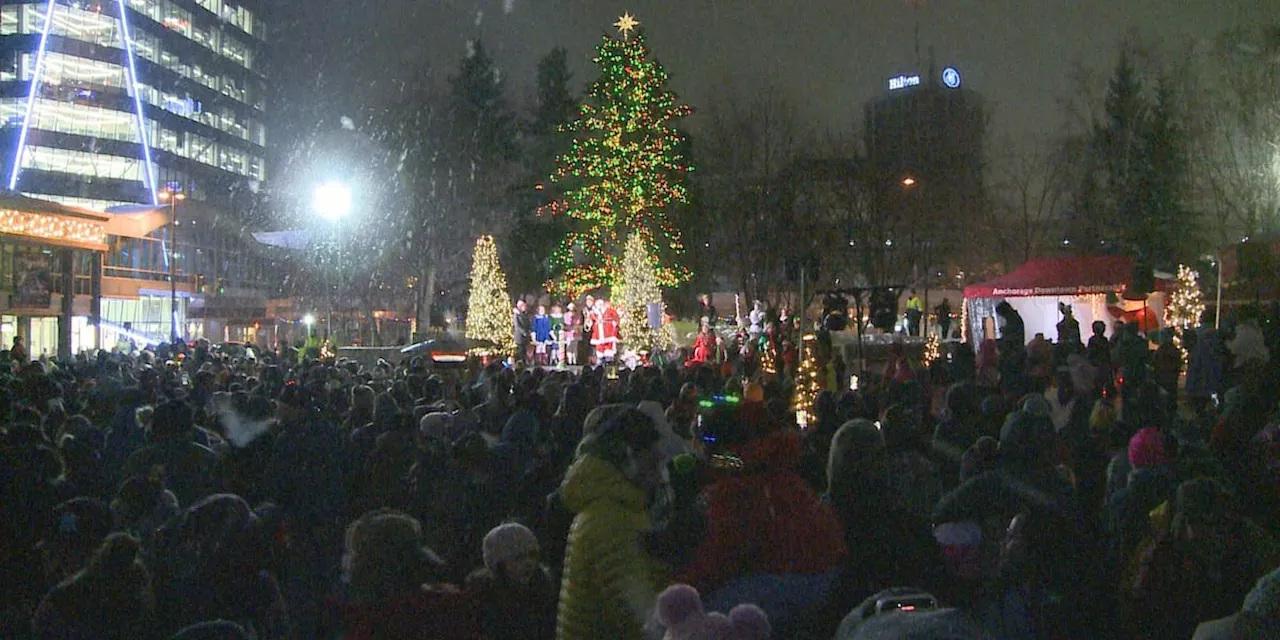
(332, 201)
(908, 182)
(173, 196)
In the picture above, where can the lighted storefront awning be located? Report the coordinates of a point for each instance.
(52, 224)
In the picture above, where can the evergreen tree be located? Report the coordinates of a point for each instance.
(533, 237)
(623, 174)
(1133, 173)
(636, 288)
(489, 307)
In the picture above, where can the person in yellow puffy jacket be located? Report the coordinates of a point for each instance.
(610, 584)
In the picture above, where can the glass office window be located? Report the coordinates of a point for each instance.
(9, 19)
(97, 165)
(84, 120)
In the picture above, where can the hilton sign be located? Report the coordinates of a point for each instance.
(902, 82)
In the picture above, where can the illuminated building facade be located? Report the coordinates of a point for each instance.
(107, 101)
(112, 102)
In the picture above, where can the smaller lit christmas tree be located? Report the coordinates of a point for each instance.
(489, 307)
(636, 289)
(768, 360)
(808, 383)
(932, 350)
(1185, 305)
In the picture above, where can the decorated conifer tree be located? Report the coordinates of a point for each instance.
(636, 288)
(1185, 304)
(808, 380)
(624, 172)
(489, 307)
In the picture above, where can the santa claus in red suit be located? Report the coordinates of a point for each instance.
(604, 333)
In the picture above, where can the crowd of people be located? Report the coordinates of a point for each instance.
(1008, 490)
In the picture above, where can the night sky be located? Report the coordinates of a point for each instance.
(828, 55)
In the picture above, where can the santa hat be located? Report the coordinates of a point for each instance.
(507, 542)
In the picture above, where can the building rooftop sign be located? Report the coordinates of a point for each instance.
(902, 82)
(951, 78)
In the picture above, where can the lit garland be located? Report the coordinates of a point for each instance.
(1185, 305)
(808, 383)
(932, 350)
(489, 307)
(39, 225)
(623, 171)
(637, 286)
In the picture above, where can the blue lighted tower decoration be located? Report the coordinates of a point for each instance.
(131, 70)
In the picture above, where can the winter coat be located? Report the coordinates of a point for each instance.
(308, 470)
(766, 521)
(431, 613)
(1181, 584)
(542, 329)
(1127, 509)
(188, 469)
(1204, 366)
(515, 612)
(609, 584)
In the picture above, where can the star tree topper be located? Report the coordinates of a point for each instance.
(626, 24)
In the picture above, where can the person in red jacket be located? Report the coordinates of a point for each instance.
(770, 540)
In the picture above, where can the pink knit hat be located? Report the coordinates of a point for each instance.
(1146, 449)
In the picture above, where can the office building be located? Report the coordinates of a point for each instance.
(926, 136)
(106, 103)
(110, 101)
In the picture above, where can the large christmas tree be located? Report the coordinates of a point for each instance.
(623, 173)
(636, 288)
(489, 307)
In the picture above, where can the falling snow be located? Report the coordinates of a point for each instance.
(508, 6)
(348, 123)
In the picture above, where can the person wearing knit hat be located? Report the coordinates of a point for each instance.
(515, 592)
(1150, 482)
(511, 549)
(1146, 449)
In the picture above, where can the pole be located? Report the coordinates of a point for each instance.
(804, 306)
(173, 267)
(1217, 306)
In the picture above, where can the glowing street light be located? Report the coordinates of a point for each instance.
(332, 201)
(310, 321)
(908, 182)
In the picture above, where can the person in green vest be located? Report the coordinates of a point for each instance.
(915, 311)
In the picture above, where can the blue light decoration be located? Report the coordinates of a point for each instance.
(951, 78)
(31, 97)
(137, 101)
(38, 75)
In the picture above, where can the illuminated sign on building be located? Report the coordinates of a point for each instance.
(951, 78)
(902, 82)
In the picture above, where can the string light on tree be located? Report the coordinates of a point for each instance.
(807, 380)
(1185, 305)
(624, 172)
(768, 362)
(932, 350)
(489, 307)
(636, 288)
